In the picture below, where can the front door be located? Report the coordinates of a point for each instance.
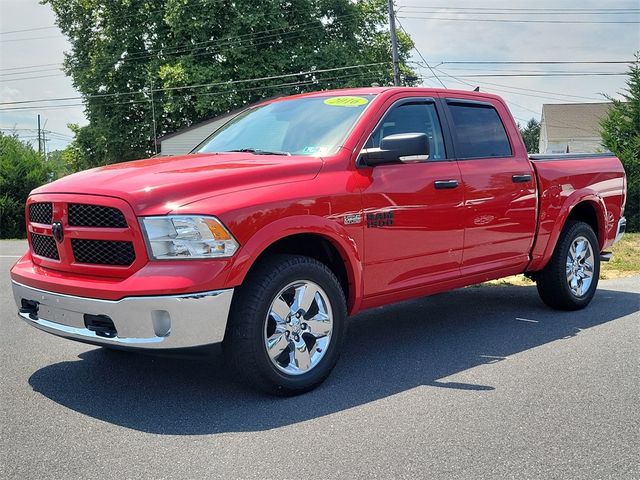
(412, 211)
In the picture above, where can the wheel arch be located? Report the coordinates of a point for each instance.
(316, 237)
(589, 212)
(588, 207)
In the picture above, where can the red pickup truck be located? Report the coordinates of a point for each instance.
(303, 210)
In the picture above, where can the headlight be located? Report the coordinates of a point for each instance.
(185, 236)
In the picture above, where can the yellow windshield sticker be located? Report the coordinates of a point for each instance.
(346, 101)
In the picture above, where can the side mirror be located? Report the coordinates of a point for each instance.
(400, 147)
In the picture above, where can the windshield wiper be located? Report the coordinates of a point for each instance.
(257, 151)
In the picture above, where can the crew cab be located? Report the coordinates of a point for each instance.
(304, 210)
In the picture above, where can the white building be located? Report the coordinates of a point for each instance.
(572, 127)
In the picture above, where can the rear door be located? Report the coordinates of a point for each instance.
(412, 211)
(499, 186)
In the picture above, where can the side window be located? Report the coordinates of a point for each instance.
(479, 131)
(419, 117)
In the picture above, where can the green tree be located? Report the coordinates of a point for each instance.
(181, 61)
(21, 170)
(60, 162)
(621, 135)
(531, 135)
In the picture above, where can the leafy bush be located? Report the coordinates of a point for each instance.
(21, 170)
(11, 218)
(621, 134)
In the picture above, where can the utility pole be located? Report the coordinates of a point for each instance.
(153, 115)
(394, 45)
(39, 137)
(44, 139)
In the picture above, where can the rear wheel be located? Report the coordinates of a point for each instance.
(570, 279)
(287, 325)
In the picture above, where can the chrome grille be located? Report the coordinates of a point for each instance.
(45, 246)
(41, 212)
(103, 252)
(83, 215)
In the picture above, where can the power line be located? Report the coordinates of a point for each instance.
(29, 72)
(566, 125)
(497, 12)
(204, 47)
(534, 62)
(183, 9)
(587, 74)
(562, 96)
(539, 91)
(28, 67)
(423, 59)
(131, 102)
(26, 30)
(29, 39)
(13, 129)
(292, 35)
(216, 44)
(141, 57)
(563, 9)
(229, 82)
(459, 80)
(538, 74)
(282, 85)
(523, 70)
(3, 80)
(496, 20)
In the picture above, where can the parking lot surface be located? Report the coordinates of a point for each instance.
(476, 383)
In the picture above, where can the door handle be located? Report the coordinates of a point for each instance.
(444, 184)
(521, 178)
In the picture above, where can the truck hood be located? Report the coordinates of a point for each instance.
(159, 185)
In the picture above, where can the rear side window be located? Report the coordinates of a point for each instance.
(479, 131)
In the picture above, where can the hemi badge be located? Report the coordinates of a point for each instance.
(352, 219)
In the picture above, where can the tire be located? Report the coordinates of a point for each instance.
(565, 284)
(309, 344)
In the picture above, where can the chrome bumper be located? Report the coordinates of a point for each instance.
(158, 322)
(622, 227)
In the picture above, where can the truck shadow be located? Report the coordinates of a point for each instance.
(388, 351)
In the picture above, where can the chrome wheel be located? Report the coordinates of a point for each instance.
(580, 266)
(298, 327)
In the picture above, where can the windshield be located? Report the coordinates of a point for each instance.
(302, 126)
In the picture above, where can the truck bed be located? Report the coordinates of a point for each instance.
(597, 180)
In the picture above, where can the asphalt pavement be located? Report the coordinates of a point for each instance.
(475, 383)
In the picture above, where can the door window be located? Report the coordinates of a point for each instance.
(414, 117)
(479, 131)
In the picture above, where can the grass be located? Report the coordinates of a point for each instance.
(625, 262)
(626, 258)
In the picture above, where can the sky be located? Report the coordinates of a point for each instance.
(443, 31)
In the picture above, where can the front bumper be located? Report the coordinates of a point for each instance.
(149, 322)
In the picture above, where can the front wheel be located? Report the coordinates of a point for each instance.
(287, 325)
(570, 279)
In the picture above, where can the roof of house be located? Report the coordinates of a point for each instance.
(167, 136)
(228, 115)
(573, 120)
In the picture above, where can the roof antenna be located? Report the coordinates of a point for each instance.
(477, 89)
